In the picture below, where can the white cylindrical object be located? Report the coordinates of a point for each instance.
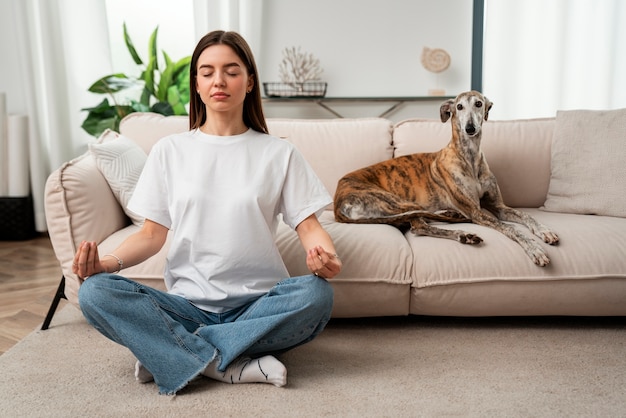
(17, 153)
(4, 184)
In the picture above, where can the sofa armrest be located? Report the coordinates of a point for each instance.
(79, 206)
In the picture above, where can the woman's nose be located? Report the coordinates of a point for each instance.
(219, 78)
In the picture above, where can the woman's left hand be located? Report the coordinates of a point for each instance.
(86, 260)
(322, 263)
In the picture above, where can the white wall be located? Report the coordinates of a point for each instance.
(371, 47)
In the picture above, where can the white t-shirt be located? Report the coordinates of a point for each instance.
(221, 198)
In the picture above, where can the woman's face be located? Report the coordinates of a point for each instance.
(223, 80)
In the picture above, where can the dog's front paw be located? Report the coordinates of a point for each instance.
(539, 257)
(546, 234)
(471, 239)
(549, 237)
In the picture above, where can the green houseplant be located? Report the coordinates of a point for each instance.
(164, 89)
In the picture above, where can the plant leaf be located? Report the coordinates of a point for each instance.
(112, 83)
(175, 100)
(145, 97)
(163, 108)
(104, 116)
(101, 107)
(182, 63)
(165, 81)
(131, 47)
(181, 78)
(139, 107)
(168, 60)
(181, 81)
(152, 48)
(104, 108)
(95, 125)
(148, 75)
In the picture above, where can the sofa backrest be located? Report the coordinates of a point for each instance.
(517, 151)
(335, 147)
(147, 128)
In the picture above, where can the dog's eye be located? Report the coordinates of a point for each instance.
(479, 104)
(459, 107)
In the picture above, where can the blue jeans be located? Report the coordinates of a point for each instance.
(175, 340)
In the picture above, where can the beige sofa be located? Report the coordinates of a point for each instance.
(385, 271)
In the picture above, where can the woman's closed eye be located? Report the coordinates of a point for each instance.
(228, 73)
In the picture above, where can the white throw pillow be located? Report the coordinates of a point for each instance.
(120, 160)
(588, 171)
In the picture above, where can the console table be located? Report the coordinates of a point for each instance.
(327, 102)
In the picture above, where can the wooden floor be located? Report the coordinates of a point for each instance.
(29, 277)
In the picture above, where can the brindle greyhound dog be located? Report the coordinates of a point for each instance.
(453, 185)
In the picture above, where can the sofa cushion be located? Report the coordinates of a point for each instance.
(591, 250)
(588, 170)
(376, 275)
(335, 147)
(517, 151)
(120, 160)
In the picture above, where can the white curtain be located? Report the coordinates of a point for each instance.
(54, 37)
(243, 16)
(541, 56)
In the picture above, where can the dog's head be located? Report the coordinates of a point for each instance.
(468, 110)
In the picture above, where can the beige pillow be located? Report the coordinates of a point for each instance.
(120, 160)
(588, 168)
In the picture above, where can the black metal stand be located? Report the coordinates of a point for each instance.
(60, 294)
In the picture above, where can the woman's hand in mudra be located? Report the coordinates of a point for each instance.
(322, 263)
(86, 260)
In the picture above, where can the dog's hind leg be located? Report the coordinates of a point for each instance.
(420, 226)
(369, 203)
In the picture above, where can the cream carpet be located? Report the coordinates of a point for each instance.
(389, 367)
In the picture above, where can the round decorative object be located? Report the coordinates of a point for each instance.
(435, 60)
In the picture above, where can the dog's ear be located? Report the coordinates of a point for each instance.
(445, 111)
(488, 105)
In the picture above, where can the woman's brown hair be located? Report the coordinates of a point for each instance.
(252, 105)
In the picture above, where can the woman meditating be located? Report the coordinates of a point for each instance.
(219, 191)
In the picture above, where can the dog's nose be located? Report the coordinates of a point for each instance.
(470, 129)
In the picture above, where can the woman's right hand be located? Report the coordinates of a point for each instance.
(86, 260)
